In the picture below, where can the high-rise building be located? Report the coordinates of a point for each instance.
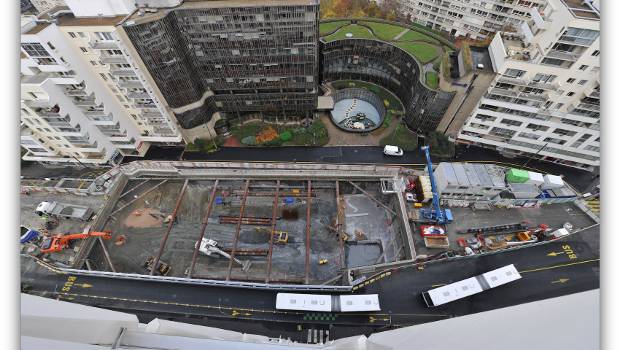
(475, 19)
(83, 100)
(545, 99)
(229, 58)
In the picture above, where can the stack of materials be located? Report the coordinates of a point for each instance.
(426, 190)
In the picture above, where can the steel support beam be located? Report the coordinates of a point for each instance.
(162, 245)
(135, 199)
(107, 255)
(205, 221)
(338, 224)
(236, 239)
(374, 199)
(308, 207)
(274, 215)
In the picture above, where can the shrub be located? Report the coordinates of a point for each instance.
(285, 136)
(249, 140)
(200, 144)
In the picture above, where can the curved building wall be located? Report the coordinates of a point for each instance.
(386, 65)
(259, 57)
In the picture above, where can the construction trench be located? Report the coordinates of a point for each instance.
(305, 230)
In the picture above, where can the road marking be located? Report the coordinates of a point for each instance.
(372, 319)
(560, 265)
(70, 282)
(569, 251)
(438, 285)
(83, 285)
(237, 313)
(555, 253)
(561, 280)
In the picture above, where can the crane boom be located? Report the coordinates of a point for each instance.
(59, 242)
(438, 215)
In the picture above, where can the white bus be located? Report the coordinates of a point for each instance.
(328, 303)
(470, 286)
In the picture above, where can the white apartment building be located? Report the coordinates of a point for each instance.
(476, 19)
(544, 101)
(82, 98)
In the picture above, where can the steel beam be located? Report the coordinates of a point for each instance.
(374, 199)
(338, 224)
(274, 215)
(135, 199)
(308, 207)
(205, 221)
(162, 245)
(236, 239)
(107, 255)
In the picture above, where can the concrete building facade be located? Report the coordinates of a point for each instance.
(213, 59)
(545, 99)
(75, 105)
(470, 18)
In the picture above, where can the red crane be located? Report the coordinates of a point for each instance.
(59, 241)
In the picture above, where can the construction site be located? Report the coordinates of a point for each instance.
(292, 224)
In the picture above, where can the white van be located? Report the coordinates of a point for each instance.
(389, 150)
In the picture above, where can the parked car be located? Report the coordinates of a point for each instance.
(389, 150)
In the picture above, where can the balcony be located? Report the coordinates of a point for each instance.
(589, 106)
(145, 106)
(85, 102)
(75, 92)
(138, 95)
(104, 45)
(563, 55)
(112, 59)
(518, 94)
(129, 84)
(95, 113)
(123, 73)
(530, 83)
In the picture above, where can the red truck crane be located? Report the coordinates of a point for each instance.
(59, 241)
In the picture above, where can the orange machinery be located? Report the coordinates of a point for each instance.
(59, 241)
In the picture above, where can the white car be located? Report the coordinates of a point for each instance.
(389, 150)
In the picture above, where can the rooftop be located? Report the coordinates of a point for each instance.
(70, 20)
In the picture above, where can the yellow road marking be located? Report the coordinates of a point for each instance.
(560, 265)
(237, 309)
(438, 285)
(555, 253)
(561, 280)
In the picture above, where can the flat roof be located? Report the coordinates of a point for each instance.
(70, 20)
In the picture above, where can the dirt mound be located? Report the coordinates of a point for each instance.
(143, 218)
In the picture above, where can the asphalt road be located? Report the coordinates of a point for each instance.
(555, 269)
(580, 179)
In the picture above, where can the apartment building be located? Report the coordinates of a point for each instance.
(476, 19)
(545, 99)
(230, 58)
(82, 99)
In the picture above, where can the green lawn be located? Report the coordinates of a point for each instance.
(423, 52)
(357, 31)
(432, 80)
(248, 129)
(413, 35)
(328, 27)
(384, 31)
(401, 137)
(315, 135)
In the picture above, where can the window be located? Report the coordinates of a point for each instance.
(582, 82)
(72, 34)
(570, 93)
(559, 105)
(570, 80)
(514, 73)
(51, 46)
(83, 49)
(511, 122)
(81, 35)
(596, 53)
(544, 78)
(537, 127)
(94, 63)
(35, 50)
(583, 67)
(104, 35)
(103, 77)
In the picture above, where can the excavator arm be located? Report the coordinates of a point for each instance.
(59, 242)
